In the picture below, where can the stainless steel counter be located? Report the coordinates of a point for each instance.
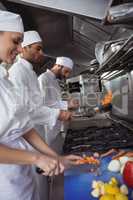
(99, 120)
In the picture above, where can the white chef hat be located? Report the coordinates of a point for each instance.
(11, 22)
(64, 61)
(31, 37)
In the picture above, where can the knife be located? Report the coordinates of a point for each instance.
(39, 170)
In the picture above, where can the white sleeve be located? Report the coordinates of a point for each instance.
(17, 77)
(13, 114)
(43, 82)
(45, 116)
(63, 105)
(40, 114)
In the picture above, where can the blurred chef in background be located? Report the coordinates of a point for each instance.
(51, 92)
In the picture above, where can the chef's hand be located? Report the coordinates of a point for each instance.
(49, 165)
(129, 154)
(123, 153)
(119, 153)
(73, 103)
(67, 161)
(65, 115)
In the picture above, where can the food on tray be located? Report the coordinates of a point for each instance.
(109, 190)
(95, 193)
(121, 197)
(124, 189)
(128, 173)
(119, 164)
(107, 197)
(88, 160)
(114, 166)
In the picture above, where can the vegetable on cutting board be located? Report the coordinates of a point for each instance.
(128, 173)
(114, 166)
(109, 190)
(88, 160)
(119, 164)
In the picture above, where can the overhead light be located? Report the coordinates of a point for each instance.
(108, 75)
(114, 74)
(104, 74)
(115, 47)
(111, 73)
(92, 69)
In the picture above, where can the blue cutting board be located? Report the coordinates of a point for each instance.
(77, 185)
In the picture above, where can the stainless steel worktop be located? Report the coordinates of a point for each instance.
(99, 120)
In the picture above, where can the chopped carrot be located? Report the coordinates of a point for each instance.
(88, 160)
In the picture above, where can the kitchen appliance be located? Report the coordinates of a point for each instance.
(86, 91)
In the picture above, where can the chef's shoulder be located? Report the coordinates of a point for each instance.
(43, 78)
(16, 68)
(17, 73)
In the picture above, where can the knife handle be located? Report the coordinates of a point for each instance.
(39, 171)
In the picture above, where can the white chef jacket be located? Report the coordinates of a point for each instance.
(3, 72)
(14, 123)
(51, 92)
(9, 106)
(24, 78)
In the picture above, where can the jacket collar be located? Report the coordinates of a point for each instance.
(51, 74)
(3, 72)
(26, 63)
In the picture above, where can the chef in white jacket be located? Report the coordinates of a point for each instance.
(16, 129)
(51, 91)
(22, 75)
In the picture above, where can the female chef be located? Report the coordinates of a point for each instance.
(16, 129)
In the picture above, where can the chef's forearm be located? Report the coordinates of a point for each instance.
(15, 156)
(38, 143)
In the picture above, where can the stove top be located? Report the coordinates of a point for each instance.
(95, 139)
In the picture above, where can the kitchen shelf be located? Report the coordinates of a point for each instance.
(119, 59)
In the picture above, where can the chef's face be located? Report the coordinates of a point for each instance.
(63, 72)
(35, 53)
(10, 46)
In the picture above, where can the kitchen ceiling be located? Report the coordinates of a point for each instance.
(64, 34)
